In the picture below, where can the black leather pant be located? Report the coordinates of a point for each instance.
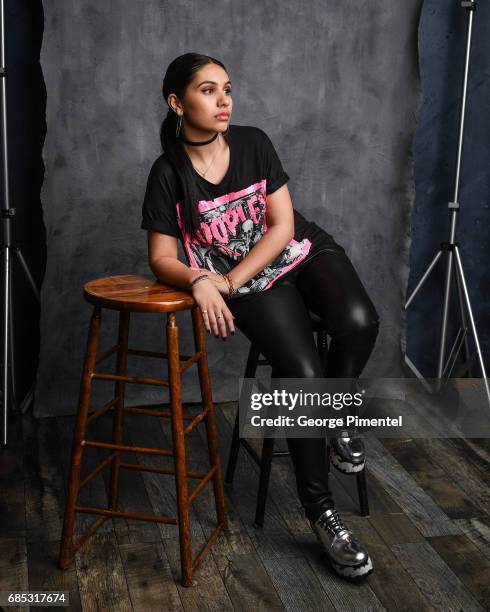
(277, 320)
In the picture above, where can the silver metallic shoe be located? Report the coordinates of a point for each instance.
(347, 555)
(347, 453)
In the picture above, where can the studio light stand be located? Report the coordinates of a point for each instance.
(7, 247)
(444, 369)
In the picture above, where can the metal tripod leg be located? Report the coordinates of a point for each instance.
(13, 384)
(29, 276)
(461, 339)
(425, 276)
(472, 320)
(445, 310)
(29, 397)
(5, 340)
(8, 371)
(466, 346)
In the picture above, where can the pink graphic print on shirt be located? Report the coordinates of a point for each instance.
(230, 225)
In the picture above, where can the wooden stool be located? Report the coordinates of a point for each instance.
(143, 294)
(264, 460)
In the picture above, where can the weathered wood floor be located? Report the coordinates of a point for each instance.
(428, 532)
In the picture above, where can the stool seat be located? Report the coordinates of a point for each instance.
(136, 293)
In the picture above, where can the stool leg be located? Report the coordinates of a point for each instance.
(118, 417)
(265, 472)
(235, 447)
(362, 492)
(78, 437)
(253, 356)
(178, 438)
(210, 420)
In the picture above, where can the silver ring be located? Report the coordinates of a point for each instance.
(204, 311)
(220, 317)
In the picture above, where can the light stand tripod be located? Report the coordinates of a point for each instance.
(450, 248)
(7, 246)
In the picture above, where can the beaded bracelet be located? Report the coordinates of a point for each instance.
(198, 278)
(231, 288)
(226, 279)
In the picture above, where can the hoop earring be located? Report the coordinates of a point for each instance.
(179, 127)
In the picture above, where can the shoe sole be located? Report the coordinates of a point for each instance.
(344, 466)
(353, 572)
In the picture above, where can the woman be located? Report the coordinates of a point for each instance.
(256, 262)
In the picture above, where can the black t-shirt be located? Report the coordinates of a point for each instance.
(232, 213)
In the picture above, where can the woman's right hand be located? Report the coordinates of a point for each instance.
(212, 305)
(217, 280)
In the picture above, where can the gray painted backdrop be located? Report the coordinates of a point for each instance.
(336, 87)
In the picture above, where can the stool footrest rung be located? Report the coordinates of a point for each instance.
(102, 410)
(158, 470)
(91, 529)
(157, 354)
(98, 469)
(202, 484)
(152, 412)
(107, 353)
(137, 380)
(196, 420)
(139, 352)
(192, 359)
(169, 520)
(142, 380)
(187, 359)
(203, 552)
(132, 449)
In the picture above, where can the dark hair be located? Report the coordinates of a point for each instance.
(179, 74)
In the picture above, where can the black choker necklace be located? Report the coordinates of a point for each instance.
(196, 143)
